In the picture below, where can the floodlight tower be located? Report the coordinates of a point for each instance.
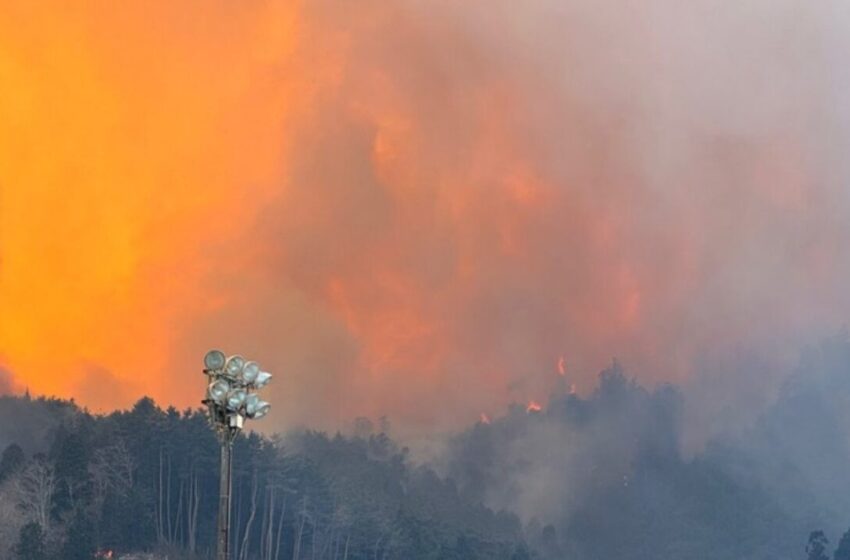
(231, 397)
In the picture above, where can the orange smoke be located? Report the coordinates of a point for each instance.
(401, 209)
(135, 146)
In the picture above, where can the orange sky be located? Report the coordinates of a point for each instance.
(408, 209)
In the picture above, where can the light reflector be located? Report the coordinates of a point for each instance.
(235, 399)
(214, 360)
(261, 408)
(217, 390)
(263, 379)
(250, 371)
(251, 402)
(234, 364)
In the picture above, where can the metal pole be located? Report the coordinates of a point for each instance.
(224, 488)
(230, 399)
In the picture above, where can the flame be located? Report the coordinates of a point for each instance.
(484, 419)
(385, 210)
(534, 406)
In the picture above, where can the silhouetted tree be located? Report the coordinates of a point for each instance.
(521, 553)
(13, 459)
(816, 547)
(549, 542)
(463, 549)
(70, 454)
(79, 543)
(30, 543)
(843, 550)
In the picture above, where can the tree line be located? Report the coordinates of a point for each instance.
(592, 477)
(818, 546)
(146, 479)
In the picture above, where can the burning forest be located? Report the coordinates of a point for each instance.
(558, 279)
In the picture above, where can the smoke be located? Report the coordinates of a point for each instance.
(6, 385)
(415, 208)
(102, 386)
(546, 464)
(31, 423)
(605, 476)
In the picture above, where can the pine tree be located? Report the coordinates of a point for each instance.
(12, 459)
(521, 553)
(843, 550)
(30, 543)
(816, 548)
(79, 544)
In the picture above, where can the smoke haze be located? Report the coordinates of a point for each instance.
(5, 381)
(584, 469)
(418, 208)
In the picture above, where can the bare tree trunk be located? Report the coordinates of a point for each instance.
(347, 539)
(269, 534)
(377, 544)
(168, 502)
(313, 541)
(279, 530)
(35, 489)
(246, 537)
(189, 500)
(328, 540)
(235, 533)
(264, 524)
(179, 517)
(71, 497)
(192, 507)
(127, 463)
(159, 535)
(296, 550)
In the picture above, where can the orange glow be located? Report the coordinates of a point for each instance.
(484, 419)
(121, 143)
(391, 214)
(534, 406)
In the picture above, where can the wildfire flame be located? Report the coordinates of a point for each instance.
(534, 406)
(484, 419)
(394, 211)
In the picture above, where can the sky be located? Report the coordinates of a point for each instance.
(424, 210)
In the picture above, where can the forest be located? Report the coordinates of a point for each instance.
(601, 476)
(146, 479)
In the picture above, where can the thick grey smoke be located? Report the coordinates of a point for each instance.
(31, 423)
(605, 476)
(478, 189)
(420, 207)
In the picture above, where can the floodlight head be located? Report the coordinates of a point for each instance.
(260, 409)
(218, 390)
(250, 371)
(234, 365)
(214, 360)
(235, 399)
(251, 402)
(262, 380)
